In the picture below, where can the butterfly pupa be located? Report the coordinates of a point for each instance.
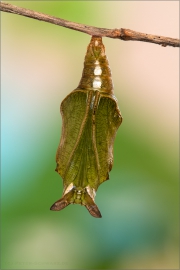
(90, 120)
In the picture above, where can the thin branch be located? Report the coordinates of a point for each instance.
(123, 34)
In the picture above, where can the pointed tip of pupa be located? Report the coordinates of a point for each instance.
(59, 205)
(93, 210)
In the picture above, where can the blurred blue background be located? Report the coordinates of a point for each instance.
(40, 64)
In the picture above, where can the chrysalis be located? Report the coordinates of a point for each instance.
(91, 117)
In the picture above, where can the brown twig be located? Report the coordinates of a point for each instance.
(123, 34)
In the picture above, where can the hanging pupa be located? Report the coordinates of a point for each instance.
(90, 120)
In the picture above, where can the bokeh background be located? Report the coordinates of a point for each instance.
(40, 64)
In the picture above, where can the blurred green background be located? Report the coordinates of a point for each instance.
(40, 64)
